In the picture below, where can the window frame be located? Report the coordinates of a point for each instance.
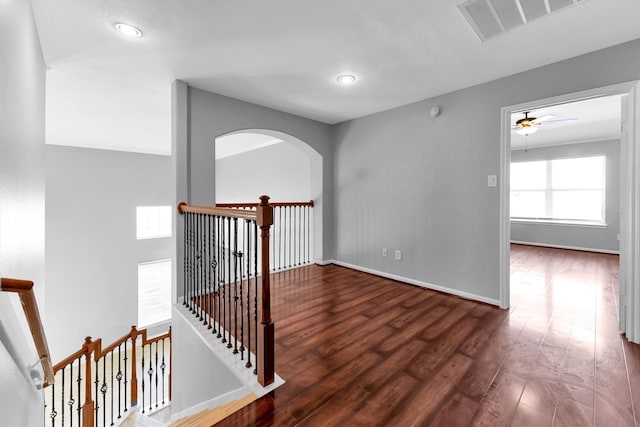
(549, 192)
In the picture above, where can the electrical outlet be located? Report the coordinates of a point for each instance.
(385, 252)
(398, 255)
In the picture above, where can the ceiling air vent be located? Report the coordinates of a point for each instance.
(489, 18)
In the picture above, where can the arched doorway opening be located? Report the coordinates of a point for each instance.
(252, 162)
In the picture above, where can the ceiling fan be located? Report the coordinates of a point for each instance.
(528, 125)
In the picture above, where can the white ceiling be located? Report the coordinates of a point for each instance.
(108, 91)
(596, 119)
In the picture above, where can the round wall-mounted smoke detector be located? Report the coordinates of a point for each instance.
(435, 111)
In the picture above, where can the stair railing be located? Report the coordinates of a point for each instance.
(110, 376)
(292, 236)
(24, 289)
(226, 273)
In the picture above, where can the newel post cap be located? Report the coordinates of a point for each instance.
(264, 212)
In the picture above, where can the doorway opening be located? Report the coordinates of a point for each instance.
(551, 151)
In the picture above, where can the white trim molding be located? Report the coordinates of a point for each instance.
(461, 294)
(573, 248)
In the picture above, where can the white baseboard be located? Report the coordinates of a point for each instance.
(573, 248)
(462, 294)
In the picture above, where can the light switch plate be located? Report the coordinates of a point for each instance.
(492, 181)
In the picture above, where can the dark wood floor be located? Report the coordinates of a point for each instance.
(359, 350)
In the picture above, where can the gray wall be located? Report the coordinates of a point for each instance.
(281, 171)
(22, 96)
(574, 236)
(91, 246)
(407, 181)
(198, 375)
(211, 115)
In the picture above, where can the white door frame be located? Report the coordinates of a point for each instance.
(629, 200)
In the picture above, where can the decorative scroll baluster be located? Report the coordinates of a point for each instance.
(223, 325)
(112, 389)
(79, 382)
(156, 373)
(162, 366)
(71, 400)
(142, 375)
(150, 373)
(103, 390)
(236, 256)
(53, 414)
(119, 379)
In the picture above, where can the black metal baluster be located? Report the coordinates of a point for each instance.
(184, 260)
(103, 390)
(214, 279)
(255, 294)
(208, 273)
(290, 234)
(150, 372)
(280, 232)
(299, 223)
(79, 381)
(96, 382)
(248, 364)
(119, 379)
(142, 372)
(229, 325)
(192, 256)
(202, 272)
(236, 257)
(126, 378)
(112, 390)
(62, 398)
(223, 326)
(308, 234)
(244, 222)
(53, 414)
(156, 373)
(71, 400)
(162, 366)
(293, 229)
(219, 275)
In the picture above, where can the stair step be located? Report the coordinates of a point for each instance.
(209, 417)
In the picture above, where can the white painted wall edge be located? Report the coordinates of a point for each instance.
(231, 361)
(573, 248)
(212, 403)
(465, 295)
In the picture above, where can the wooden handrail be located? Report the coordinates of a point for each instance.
(24, 289)
(210, 210)
(253, 205)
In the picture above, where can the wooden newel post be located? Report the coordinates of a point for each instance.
(134, 364)
(88, 406)
(266, 332)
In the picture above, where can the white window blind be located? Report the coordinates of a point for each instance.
(559, 190)
(154, 292)
(153, 222)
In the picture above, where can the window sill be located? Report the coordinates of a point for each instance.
(586, 224)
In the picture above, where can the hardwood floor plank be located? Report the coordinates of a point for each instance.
(356, 349)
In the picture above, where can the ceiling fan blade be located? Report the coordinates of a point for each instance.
(544, 118)
(561, 121)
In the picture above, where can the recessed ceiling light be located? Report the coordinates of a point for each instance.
(128, 30)
(345, 79)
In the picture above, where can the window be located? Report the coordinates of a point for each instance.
(565, 190)
(153, 221)
(154, 292)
